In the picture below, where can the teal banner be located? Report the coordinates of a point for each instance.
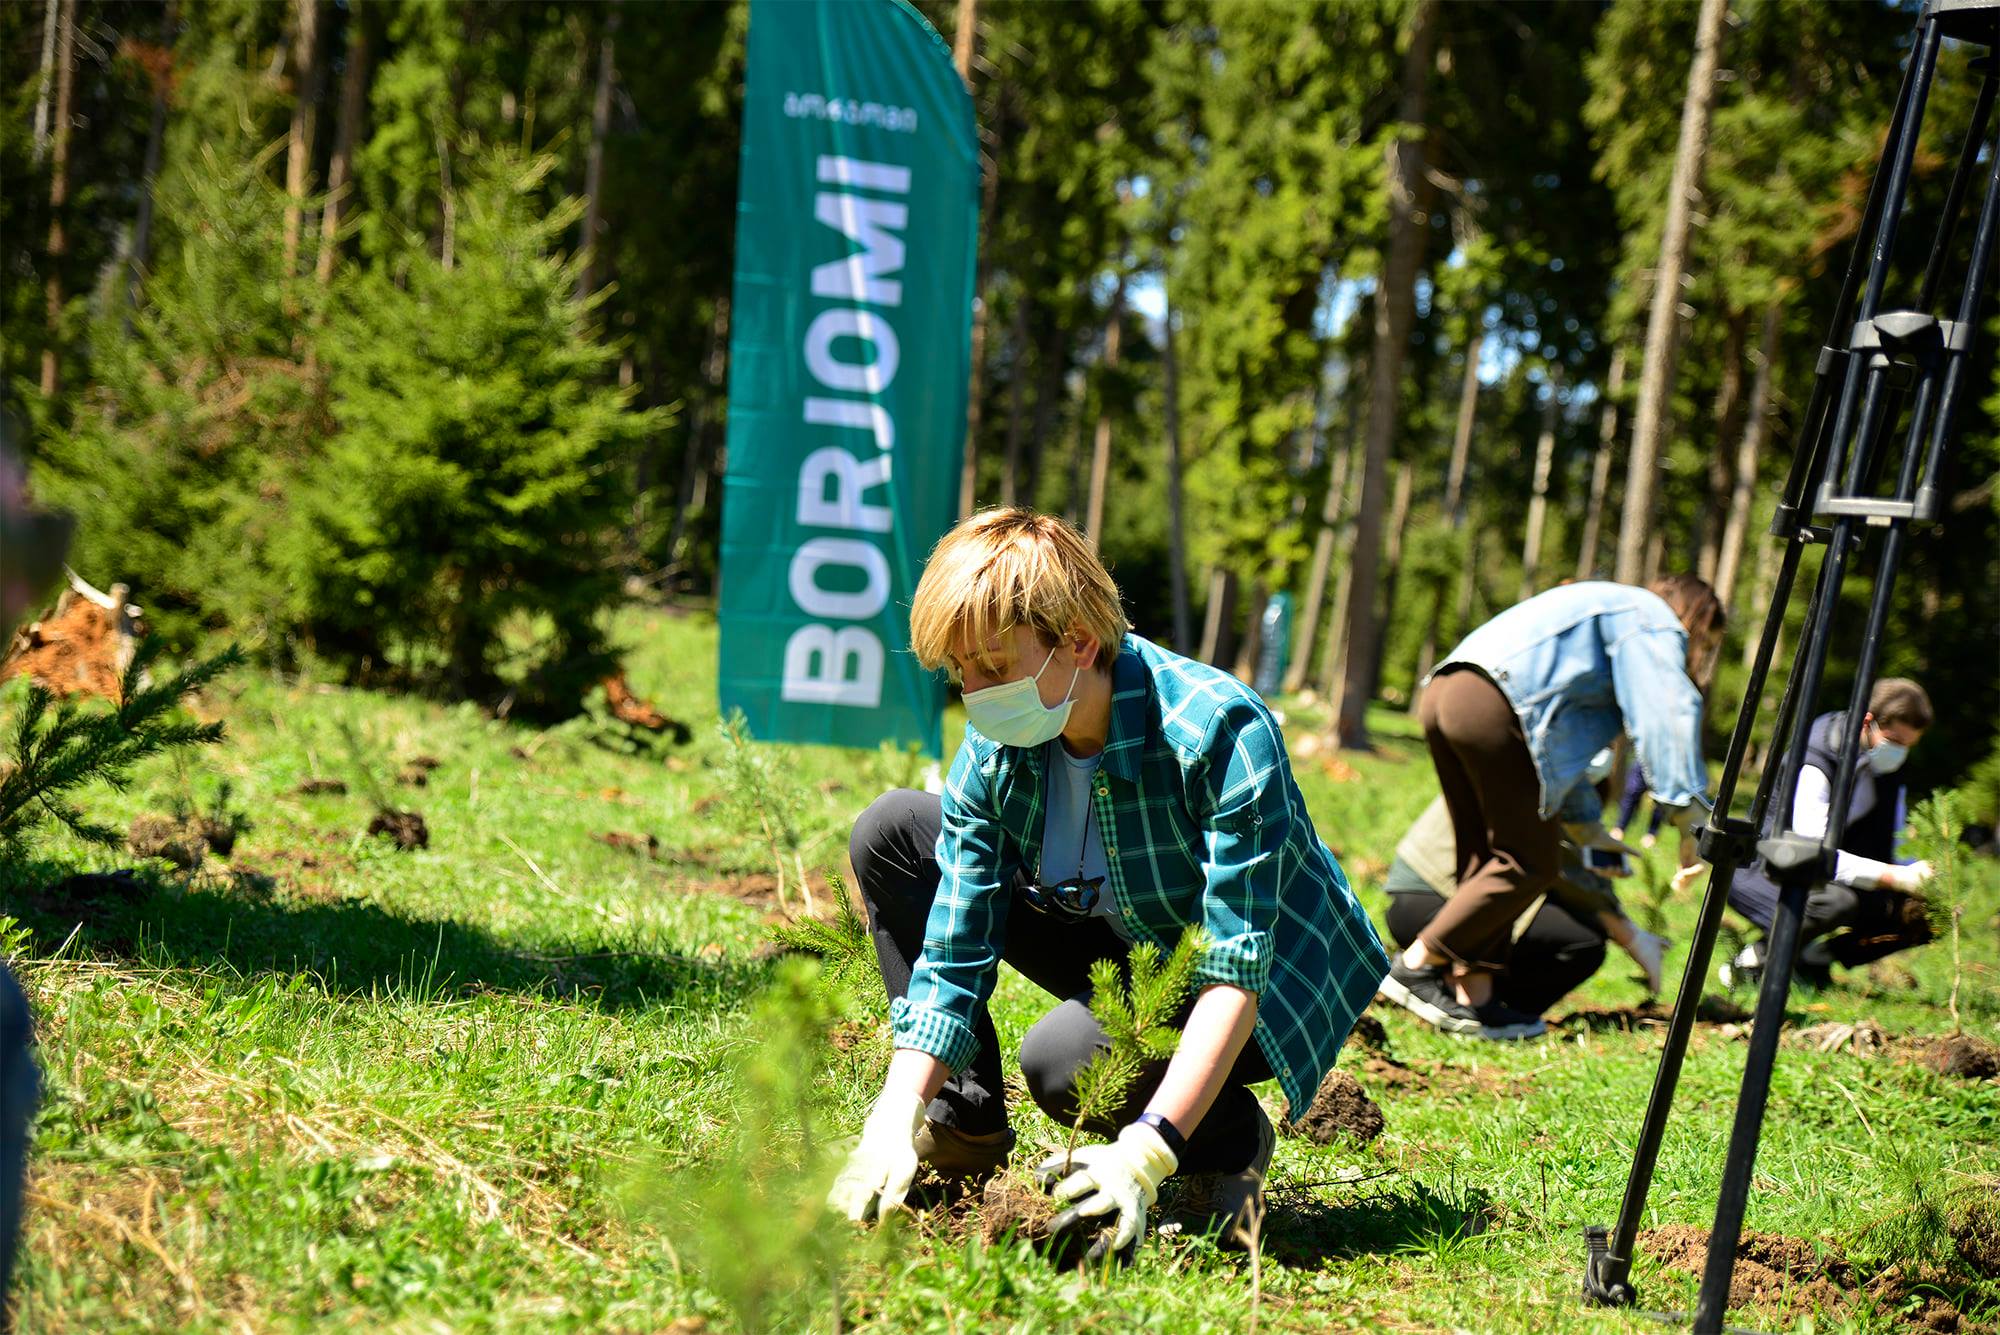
(849, 355)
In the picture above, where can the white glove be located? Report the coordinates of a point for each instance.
(1909, 877)
(1124, 1176)
(1649, 951)
(881, 1166)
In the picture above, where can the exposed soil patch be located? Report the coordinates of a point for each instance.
(645, 845)
(1341, 1110)
(407, 828)
(1369, 1033)
(759, 888)
(1389, 1071)
(425, 763)
(177, 842)
(1711, 1010)
(322, 787)
(1976, 1231)
(1772, 1270)
(413, 776)
(1012, 1208)
(1962, 1055)
(635, 712)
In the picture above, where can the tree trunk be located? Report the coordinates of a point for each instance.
(1760, 598)
(51, 21)
(1392, 569)
(58, 249)
(1728, 426)
(1600, 469)
(149, 174)
(1176, 519)
(1048, 392)
(1538, 502)
(1251, 647)
(346, 133)
(1454, 496)
(695, 465)
(590, 242)
(965, 42)
(1218, 622)
(1330, 512)
(305, 114)
(1017, 337)
(1649, 424)
(1756, 425)
(1100, 450)
(1395, 307)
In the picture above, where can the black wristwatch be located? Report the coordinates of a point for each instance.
(1168, 1132)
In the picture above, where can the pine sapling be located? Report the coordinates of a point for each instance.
(845, 951)
(58, 748)
(1138, 1025)
(1937, 827)
(755, 789)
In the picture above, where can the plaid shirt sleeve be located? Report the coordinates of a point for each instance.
(1245, 823)
(960, 960)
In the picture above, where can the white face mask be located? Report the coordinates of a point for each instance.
(1013, 714)
(1888, 756)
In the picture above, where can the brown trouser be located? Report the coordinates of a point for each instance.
(1507, 853)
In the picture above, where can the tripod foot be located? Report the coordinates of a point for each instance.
(1605, 1283)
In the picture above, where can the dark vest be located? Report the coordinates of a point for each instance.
(1871, 811)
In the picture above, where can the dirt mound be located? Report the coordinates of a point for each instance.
(1962, 1055)
(1370, 1033)
(425, 763)
(413, 776)
(645, 845)
(1341, 1110)
(182, 843)
(1711, 1010)
(1010, 1207)
(407, 828)
(1976, 1231)
(1389, 1071)
(1772, 1269)
(315, 787)
(82, 648)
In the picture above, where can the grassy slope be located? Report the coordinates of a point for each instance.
(361, 1088)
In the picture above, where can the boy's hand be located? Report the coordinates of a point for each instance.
(1908, 878)
(882, 1165)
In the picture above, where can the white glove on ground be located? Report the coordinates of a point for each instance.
(881, 1166)
(1124, 1176)
(1649, 951)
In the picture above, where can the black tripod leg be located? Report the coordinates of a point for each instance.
(1742, 1156)
(1607, 1274)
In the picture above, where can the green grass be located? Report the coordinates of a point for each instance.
(484, 1086)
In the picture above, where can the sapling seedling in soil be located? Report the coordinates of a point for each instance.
(405, 828)
(755, 790)
(1936, 827)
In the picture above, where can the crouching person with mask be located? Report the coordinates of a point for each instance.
(1108, 793)
(1871, 908)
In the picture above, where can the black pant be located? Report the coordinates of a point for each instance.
(1549, 960)
(1878, 922)
(893, 850)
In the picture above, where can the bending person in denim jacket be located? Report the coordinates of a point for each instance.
(1513, 717)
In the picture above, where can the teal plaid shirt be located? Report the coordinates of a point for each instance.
(1203, 825)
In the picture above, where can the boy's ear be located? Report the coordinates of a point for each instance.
(1087, 650)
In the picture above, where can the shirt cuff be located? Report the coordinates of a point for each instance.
(1240, 961)
(928, 1029)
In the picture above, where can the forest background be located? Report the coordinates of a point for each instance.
(392, 337)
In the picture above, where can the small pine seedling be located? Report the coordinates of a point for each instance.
(1137, 1024)
(755, 789)
(55, 753)
(1937, 826)
(845, 951)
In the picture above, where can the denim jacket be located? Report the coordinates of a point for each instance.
(1578, 663)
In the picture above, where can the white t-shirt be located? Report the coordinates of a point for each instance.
(1072, 845)
(1809, 816)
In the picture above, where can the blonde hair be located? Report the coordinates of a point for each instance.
(1009, 567)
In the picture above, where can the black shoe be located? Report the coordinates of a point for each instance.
(1501, 1023)
(1425, 994)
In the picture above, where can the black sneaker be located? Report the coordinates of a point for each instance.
(1425, 994)
(1503, 1024)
